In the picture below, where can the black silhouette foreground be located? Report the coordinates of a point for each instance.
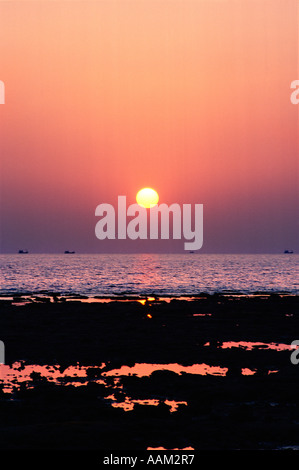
(253, 404)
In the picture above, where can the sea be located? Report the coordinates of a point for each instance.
(186, 274)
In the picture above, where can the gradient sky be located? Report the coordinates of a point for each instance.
(190, 97)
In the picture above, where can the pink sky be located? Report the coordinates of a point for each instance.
(191, 98)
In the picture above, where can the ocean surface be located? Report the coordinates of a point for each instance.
(161, 274)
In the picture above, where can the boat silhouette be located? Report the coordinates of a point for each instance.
(67, 252)
(288, 251)
(23, 252)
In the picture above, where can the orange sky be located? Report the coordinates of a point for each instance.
(190, 97)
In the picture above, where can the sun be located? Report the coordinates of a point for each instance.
(147, 197)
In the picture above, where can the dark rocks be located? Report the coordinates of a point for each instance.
(233, 411)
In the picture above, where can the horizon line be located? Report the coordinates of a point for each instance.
(149, 253)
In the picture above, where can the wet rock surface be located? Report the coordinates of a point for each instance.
(230, 411)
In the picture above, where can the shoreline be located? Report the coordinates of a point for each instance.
(25, 320)
(127, 296)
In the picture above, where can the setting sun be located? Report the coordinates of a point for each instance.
(147, 197)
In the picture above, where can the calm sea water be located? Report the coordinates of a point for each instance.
(162, 274)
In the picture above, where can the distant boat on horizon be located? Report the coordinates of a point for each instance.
(23, 252)
(288, 251)
(67, 252)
